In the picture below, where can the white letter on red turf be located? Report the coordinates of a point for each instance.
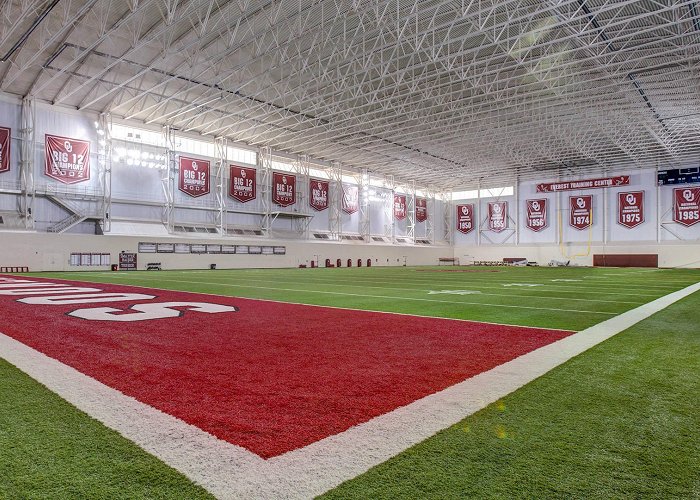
(149, 311)
(84, 298)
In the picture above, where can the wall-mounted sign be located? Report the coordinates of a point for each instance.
(243, 181)
(679, 176)
(399, 206)
(536, 214)
(194, 176)
(351, 199)
(318, 194)
(498, 216)
(686, 206)
(421, 209)
(630, 208)
(284, 192)
(581, 211)
(465, 218)
(67, 160)
(620, 180)
(5, 135)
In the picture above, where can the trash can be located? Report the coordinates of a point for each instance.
(115, 267)
(212, 266)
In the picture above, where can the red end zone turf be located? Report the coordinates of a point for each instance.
(271, 377)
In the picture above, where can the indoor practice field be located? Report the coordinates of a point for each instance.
(616, 421)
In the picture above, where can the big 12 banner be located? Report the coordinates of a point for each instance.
(351, 199)
(5, 135)
(581, 211)
(67, 160)
(243, 183)
(686, 206)
(498, 216)
(536, 214)
(284, 192)
(421, 209)
(630, 209)
(465, 218)
(194, 176)
(318, 194)
(399, 206)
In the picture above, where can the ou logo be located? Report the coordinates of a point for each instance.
(688, 195)
(194, 166)
(319, 186)
(580, 203)
(497, 209)
(243, 173)
(536, 205)
(284, 180)
(465, 210)
(68, 146)
(631, 199)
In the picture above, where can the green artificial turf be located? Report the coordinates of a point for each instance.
(513, 295)
(49, 449)
(619, 421)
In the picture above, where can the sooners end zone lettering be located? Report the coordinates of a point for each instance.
(267, 376)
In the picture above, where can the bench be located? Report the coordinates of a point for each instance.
(154, 266)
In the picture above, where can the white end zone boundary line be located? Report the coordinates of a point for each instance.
(229, 471)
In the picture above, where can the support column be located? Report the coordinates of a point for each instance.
(429, 225)
(390, 227)
(364, 205)
(448, 213)
(336, 187)
(105, 161)
(26, 162)
(168, 179)
(411, 212)
(265, 169)
(301, 169)
(219, 168)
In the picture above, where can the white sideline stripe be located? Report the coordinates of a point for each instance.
(229, 471)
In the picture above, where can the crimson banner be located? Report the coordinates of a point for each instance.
(536, 214)
(630, 208)
(318, 191)
(421, 209)
(686, 206)
(194, 176)
(351, 199)
(67, 160)
(5, 135)
(620, 180)
(465, 218)
(243, 183)
(498, 216)
(399, 206)
(581, 211)
(284, 192)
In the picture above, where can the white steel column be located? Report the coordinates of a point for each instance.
(516, 193)
(429, 225)
(447, 226)
(390, 227)
(168, 179)
(301, 168)
(411, 212)
(105, 155)
(265, 168)
(219, 168)
(26, 162)
(336, 200)
(364, 205)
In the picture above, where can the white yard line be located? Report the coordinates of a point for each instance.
(347, 294)
(229, 471)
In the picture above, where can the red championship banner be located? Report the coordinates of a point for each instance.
(399, 206)
(318, 194)
(581, 211)
(5, 135)
(536, 214)
(284, 192)
(465, 218)
(243, 183)
(620, 180)
(351, 199)
(67, 160)
(421, 209)
(498, 216)
(630, 209)
(686, 206)
(194, 176)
